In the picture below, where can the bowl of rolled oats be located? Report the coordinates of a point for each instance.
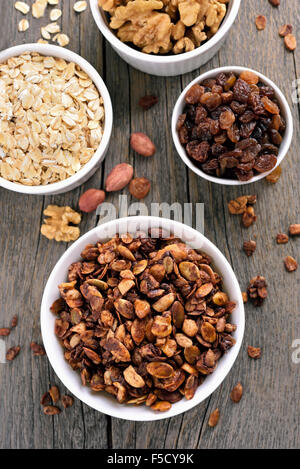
(165, 38)
(55, 119)
(142, 318)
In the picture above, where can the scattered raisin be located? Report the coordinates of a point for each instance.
(274, 3)
(148, 101)
(139, 187)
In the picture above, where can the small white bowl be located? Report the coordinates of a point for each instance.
(102, 401)
(169, 65)
(285, 111)
(89, 168)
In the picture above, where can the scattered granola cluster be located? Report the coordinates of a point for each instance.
(159, 27)
(38, 10)
(51, 119)
(144, 319)
(243, 205)
(52, 397)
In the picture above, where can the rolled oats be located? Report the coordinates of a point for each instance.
(22, 7)
(23, 25)
(80, 6)
(62, 39)
(55, 14)
(46, 107)
(131, 321)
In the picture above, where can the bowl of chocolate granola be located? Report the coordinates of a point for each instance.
(232, 126)
(142, 318)
(165, 38)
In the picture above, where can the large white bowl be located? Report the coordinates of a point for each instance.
(102, 401)
(89, 168)
(169, 65)
(285, 111)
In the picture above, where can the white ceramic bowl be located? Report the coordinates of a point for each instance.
(169, 65)
(102, 401)
(285, 111)
(89, 168)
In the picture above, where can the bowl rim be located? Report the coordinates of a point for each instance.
(285, 109)
(50, 340)
(69, 56)
(170, 59)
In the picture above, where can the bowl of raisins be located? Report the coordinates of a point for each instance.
(232, 126)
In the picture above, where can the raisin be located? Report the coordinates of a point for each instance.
(246, 167)
(265, 163)
(276, 122)
(211, 100)
(256, 104)
(226, 119)
(276, 138)
(214, 127)
(221, 79)
(217, 89)
(203, 131)
(231, 79)
(233, 133)
(285, 29)
(217, 149)
(209, 82)
(269, 148)
(247, 129)
(146, 102)
(247, 117)
(249, 77)
(257, 133)
(238, 108)
(139, 187)
(227, 97)
(241, 91)
(198, 151)
(221, 138)
(269, 105)
(183, 135)
(194, 94)
(243, 175)
(201, 114)
(265, 90)
(228, 161)
(210, 166)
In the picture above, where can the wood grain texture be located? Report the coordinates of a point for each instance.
(267, 416)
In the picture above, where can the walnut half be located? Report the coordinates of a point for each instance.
(57, 225)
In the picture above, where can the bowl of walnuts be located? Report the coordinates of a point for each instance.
(142, 318)
(165, 38)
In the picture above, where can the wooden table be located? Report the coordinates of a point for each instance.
(268, 414)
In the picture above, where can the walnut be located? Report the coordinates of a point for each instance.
(183, 45)
(154, 34)
(189, 11)
(135, 12)
(215, 15)
(57, 225)
(178, 30)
